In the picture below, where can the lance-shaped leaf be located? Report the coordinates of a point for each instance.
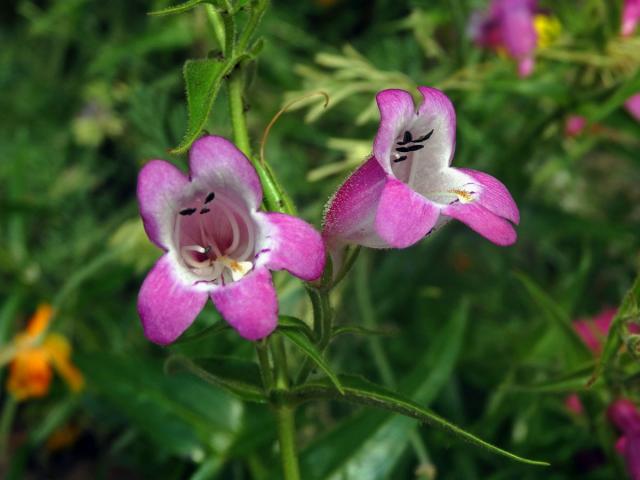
(370, 443)
(237, 376)
(362, 392)
(180, 8)
(629, 309)
(203, 79)
(292, 323)
(557, 316)
(303, 342)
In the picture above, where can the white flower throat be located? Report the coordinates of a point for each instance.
(216, 238)
(440, 185)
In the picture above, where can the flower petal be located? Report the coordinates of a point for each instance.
(436, 112)
(633, 105)
(632, 455)
(295, 246)
(217, 161)
(350, 214)
(167, 306)
(630, 17)
(249, 305)
(486, 223)
(518, 31)
(404, 216)
(159, 187)
(397, 112)
(494, 196)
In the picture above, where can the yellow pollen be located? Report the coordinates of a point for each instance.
(238, 269)
(463, 195)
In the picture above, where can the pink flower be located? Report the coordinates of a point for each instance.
(574, 404)
(509, 25)
(630, 17)
(407, 188)
(625, 416)
(633, 106)
(217, 244)
(574, 125)
(594, 330)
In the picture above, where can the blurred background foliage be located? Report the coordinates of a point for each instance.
(91, 90)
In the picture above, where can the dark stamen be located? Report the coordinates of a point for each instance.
(204, 210)
(425, 137)
(406, 138)
(399, 159)
(187, 211)
(210, 197)
(410, 148)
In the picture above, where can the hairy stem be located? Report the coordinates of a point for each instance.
(236, 111)
(286, 437)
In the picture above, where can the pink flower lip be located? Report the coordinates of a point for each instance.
(217, 244)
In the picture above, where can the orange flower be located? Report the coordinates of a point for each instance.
(30, 370)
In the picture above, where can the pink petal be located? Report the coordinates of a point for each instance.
(574, 404)
(396, 113)
(484, 222)
(574, 125)
(217, 161)
(518, 32)
(603, 320)
(295, 246)
(632, 455)
(350, 214)
(585, 329)
(167, 306)
(159, 187)
(494, 196)
(249, 305)
(630, 17)
(624, 415)
(436, 111)
(404, 216)
(633, 106)
(525, 66)
(621, 445)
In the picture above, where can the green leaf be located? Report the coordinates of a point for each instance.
(237, 376)
(357, 330)
(180, 8)
(210, 331)
(630, 308)
(293, 323)
(569, 383)
(352, 450)
(557, 316)
(362, 392)
(310, 349)
(203, 79)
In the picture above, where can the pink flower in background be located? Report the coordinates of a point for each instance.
(574, 125)
(217, 244)
(633, 106)
(508, 25)
(593, 331)
(574, 404)
(408, 188)
(625, 416)
(630, 17)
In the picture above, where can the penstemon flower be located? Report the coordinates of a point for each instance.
(509, 25)
(626, 417)
(407, 188)
(630, 17)
(217, 244)
(633, 106)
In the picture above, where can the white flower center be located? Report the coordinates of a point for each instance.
(413, 163)
(215, 238)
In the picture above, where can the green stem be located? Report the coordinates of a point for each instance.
(322, 326)
(286, 436)
(217, 25)
(265, 366)
(254, 20)
(285, 414)
(236, 111)
(6, 420)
